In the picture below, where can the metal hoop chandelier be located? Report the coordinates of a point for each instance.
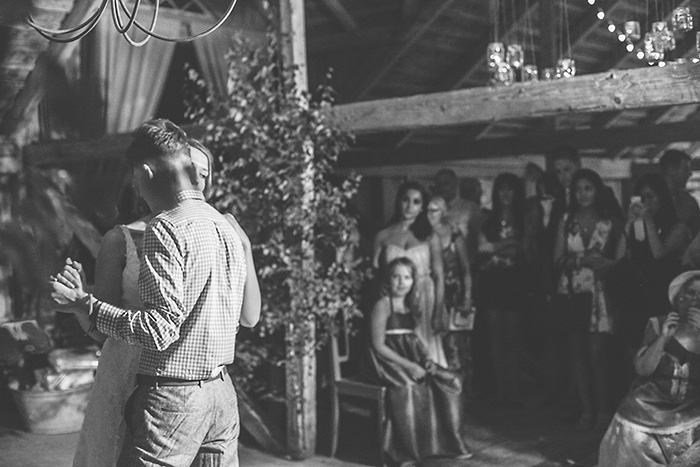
(123, 27)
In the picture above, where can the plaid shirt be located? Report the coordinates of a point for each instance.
(191, 282)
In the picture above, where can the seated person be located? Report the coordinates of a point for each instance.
(658, 422)
(416, 385)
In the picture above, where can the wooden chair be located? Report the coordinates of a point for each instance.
(348, 386)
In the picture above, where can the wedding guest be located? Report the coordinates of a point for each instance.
(589, 241)
(656, 239)
(675, 167)
(458, 285)
(424, 399)
(658, 421)
(500, 293)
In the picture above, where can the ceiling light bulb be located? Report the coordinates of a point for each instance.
(621, 37)
(611, 27)
(640, 54)
(601, 14)
(629, 47)
(591, 2)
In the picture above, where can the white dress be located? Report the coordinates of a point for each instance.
(103, 431)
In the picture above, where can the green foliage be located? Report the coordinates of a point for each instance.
(275, 153)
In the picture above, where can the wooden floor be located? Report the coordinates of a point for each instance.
(534, 436)
(528, 437)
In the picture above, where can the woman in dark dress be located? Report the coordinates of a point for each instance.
(500, 289)
(424, 399)
(655, 257)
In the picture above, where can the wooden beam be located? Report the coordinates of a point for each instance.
(535, 142)
(616, 90)
(341, 14)
(382, 63)
(57, 54)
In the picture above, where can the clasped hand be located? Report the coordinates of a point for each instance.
(68, 285)
(673, 320)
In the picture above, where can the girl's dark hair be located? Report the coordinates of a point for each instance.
(603, 205)
(410, 301)
(493, 221)
(667, 215)
(420, 227)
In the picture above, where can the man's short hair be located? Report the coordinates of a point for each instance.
(157, 138)
(672, 158)
(565, 152)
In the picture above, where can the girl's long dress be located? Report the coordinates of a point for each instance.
(103, 431)
(424, 416)
(425, 296)
(660, 417)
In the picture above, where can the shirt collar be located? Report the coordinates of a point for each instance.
(189, 194)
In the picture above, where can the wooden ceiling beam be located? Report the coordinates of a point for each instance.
(32, 93)
(341, 14)
(616, 90)
(537, 142)
(382, 62)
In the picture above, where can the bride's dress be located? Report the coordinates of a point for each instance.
(103, 431)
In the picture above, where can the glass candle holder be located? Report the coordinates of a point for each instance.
(653, 48)
(503, 75)
(566, 68)
(530, 73)
(633, 30)
(514, 55)
(548, 74)
(682, 19)
(495, 55)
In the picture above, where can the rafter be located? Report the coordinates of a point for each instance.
(382, 62)
(341, 14)
(34, 89)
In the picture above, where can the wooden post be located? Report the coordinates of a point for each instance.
(300, 339)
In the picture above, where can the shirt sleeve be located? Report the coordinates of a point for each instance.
(161, 285)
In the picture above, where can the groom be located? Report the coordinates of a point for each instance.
(194, 272)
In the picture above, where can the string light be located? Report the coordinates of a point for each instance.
(619, 34)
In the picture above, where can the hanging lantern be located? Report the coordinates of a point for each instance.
(495, 55)
(633, 31)
(503, 75)
(653, 49)
(548, 74)
(566, 68)
(515, 55)
(682, 19)
(530, 73)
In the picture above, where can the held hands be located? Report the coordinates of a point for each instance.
(69, 285)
